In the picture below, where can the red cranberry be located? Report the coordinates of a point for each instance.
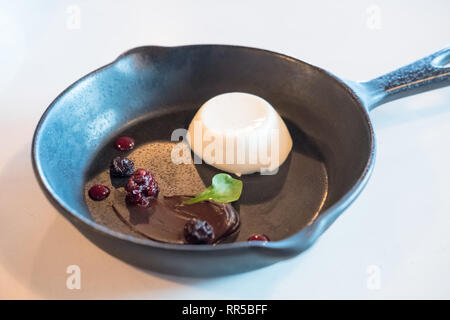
(99, 192)
(141, 188)
(258, 237)
(124, 143)
(198, 232)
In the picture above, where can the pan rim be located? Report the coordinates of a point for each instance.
(317, 224)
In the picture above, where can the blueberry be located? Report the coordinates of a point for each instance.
(122, 167)
(198, 232)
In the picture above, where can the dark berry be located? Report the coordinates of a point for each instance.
(141, 188)
(258, 237)
(137, 199)
(99, 192)
(198, 232)
(124, 143)
(122, 167)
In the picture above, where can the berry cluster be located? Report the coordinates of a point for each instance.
(141, 188)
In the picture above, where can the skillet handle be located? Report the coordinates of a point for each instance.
(429, 73)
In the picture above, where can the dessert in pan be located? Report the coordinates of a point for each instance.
(153, 99)
(236, 133)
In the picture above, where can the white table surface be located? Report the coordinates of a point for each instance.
(393, 242)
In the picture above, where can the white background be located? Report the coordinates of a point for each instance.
(393, 242)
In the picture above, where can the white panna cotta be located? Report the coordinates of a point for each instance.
(239, 133)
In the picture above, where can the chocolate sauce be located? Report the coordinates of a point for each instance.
(165, 218)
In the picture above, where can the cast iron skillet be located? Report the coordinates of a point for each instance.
(165, 85)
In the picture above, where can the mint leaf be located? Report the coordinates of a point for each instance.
(223, 189)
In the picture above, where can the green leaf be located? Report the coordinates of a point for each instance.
(223, 189)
